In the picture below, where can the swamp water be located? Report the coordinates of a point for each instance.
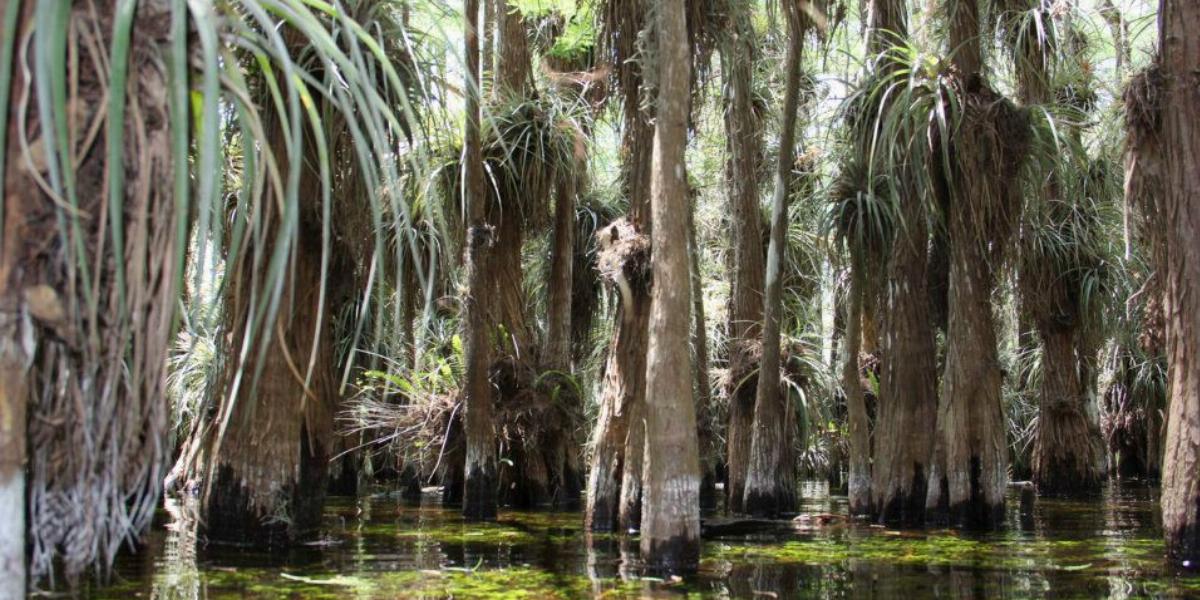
(379, 547)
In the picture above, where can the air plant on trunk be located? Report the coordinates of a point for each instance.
(1136, 400)
(982, 147)
(134, 171)
(862, 220)
(287, 265)
(92, 247)
(1061, 258)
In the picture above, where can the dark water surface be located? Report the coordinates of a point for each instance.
(379, 547)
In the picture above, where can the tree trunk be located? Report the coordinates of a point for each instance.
(614, 481)
(614, 484)
(558, 317)
(16, 333)
(569, 483)
(970, 476)
(670, 537)
(512, 82)
(706, 432)
(479, 495)
(16, 351)
(1068, 454)
(908, 378)
(770, 480)
(744, 140)
(1068, 457)
(273, 458)
(1179, 53)
(859, 490)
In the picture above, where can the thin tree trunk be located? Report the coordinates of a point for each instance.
(15, 357)
(512, 82)
(859, 491)
(630, 511)
(558, 318)
(1179, 55)
(479, 495)
(770, 480)
(707, 436)
(744, 141)
(569, 481)
(670, 537)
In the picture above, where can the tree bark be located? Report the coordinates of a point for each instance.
(1068, 457)
(558, 317)
(614, 481)
(479, 495)
(1179, 55)
(970, 477)
(16, 343)
(908, 378)
(705, 426)
(513, 78)
(859, 490)
(1068, 454)
(744, 141)
(273, 459)
(770, 480)
(670, 537)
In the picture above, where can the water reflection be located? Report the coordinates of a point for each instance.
(381, 547)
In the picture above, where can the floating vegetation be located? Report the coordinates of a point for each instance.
(378, 548)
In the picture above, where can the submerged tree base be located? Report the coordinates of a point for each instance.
(906, 508)
(230, 515)
(479, 494)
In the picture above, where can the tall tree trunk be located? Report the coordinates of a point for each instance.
(970, 471)
(1145, 174)
(1179, 53)
(273, 457)
(569, 482)
(770, 480)
(513, 79)
(908, 377)
(859, 489)
(558, 313)
(744, 141)
(670, 537)
(1068, 454)
(704, 420)
(614, 480)
(614, 483)
(479, 495)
